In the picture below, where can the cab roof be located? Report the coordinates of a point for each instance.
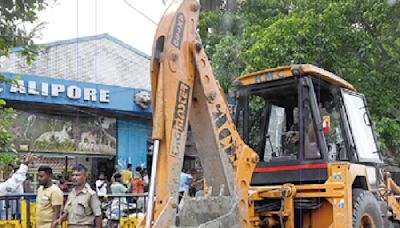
(291, 71)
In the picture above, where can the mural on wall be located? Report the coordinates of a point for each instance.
(40, 132)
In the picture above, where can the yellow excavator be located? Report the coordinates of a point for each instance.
(299, 152)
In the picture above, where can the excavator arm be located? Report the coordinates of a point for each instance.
(185, 91)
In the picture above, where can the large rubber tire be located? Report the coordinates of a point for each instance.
(366, 212)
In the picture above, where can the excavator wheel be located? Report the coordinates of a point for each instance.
(366, 213)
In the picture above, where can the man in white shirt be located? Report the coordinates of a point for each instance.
(145, 179)
(101, 185)
(14, 184)
(120, 204)
(185, 182)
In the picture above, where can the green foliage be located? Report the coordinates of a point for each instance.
(214, 25)
(357, 40)
(389, 132)
(7, 117)
(5, 159)
(256, 106)
(13, 15)
(228, 63)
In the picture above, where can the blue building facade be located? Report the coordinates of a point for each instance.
(84, 100)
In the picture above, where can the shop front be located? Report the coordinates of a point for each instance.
(68, 122)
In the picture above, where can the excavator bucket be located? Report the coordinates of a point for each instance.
(213, 211)
(185, 91)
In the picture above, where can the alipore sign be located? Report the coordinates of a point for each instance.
(73, 92)
(38, 89)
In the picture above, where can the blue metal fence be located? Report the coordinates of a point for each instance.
(115, 208)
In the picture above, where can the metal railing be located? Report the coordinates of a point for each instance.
(125, 210)
(11, 207)
(16, 210)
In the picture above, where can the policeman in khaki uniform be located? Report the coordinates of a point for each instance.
(82, 209)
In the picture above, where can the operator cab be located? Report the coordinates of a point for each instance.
(300, 118)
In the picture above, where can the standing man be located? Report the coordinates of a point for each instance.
(82, 209)
(185, 182)
(127, 175)
(28, 185)
(145, 175)
(137, 182)
(49, 199)
(101, 185)
(62, 184)
(15, 182)
(118, 188)
(17, 179)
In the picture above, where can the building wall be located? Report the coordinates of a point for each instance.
(97, 62)
(98, 59)
(132, 142)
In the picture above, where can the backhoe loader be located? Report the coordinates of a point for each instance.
(300, 151)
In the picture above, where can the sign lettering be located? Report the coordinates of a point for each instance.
(179, 28)
(180, 118)
(270, 76)
(72, 92)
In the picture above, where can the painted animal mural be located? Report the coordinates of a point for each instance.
(58, 136)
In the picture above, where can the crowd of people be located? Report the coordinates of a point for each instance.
(82, 207)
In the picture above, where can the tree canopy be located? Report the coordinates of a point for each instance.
(14, 16)
(357, 40)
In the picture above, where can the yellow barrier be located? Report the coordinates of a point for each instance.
(10, 224)
(24, 219)
(24, 216)
(124, 222)
(128, 222)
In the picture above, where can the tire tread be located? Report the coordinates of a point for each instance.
(361, 198)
